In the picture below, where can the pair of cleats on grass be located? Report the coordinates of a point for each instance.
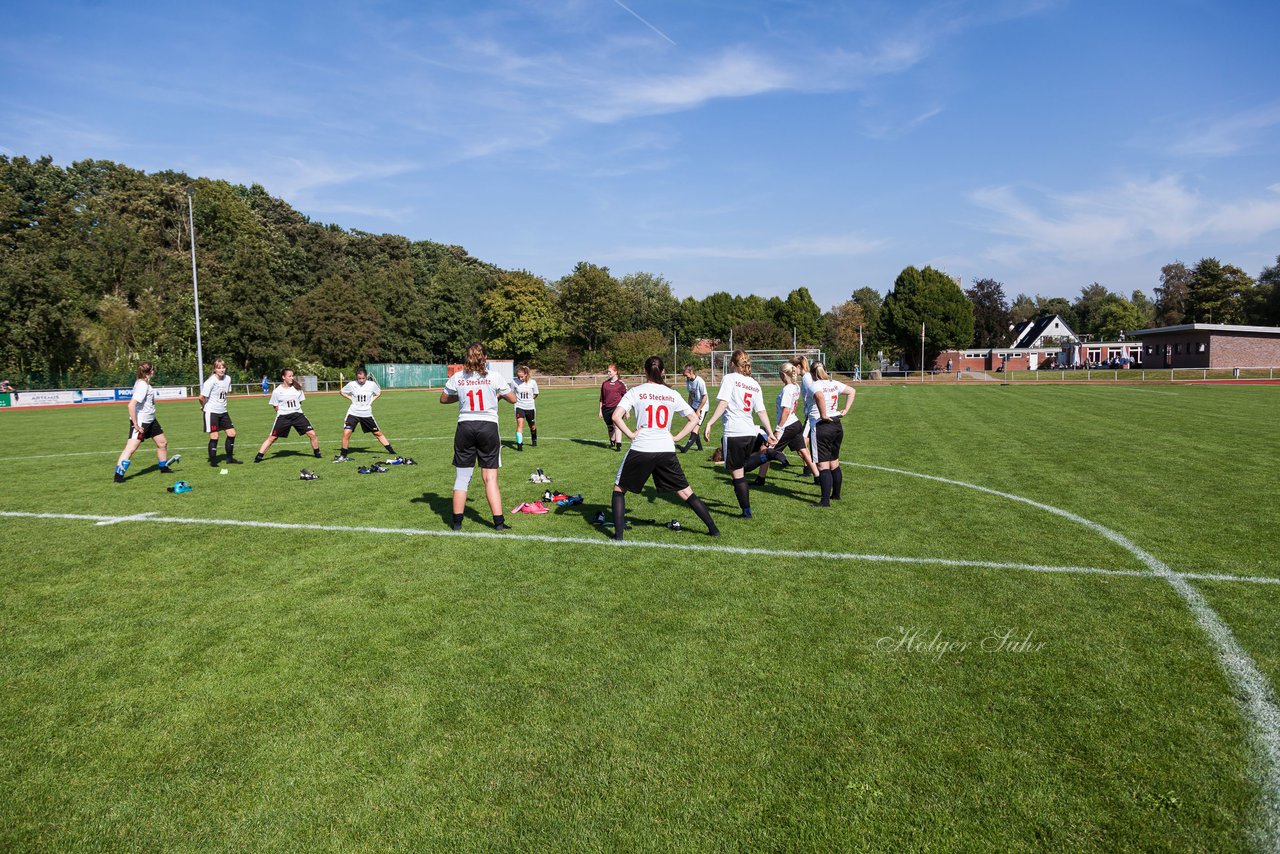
(561, 498)
(539, 476)
(391, 461)
(536, 507)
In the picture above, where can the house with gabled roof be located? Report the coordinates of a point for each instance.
(1041, 332)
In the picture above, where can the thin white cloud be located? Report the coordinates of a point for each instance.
(1127, 220)
(1228, 135)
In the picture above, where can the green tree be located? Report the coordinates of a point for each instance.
(1088, 309)
(801, 313)
(930, 298)
(592, 303)
(1269, 292)
(1171, 294)
(1218, 293)
(1022, 310)
(991, 319)
(654, 306)
(718, 315)
(760, 335)
(1117, 316)
(871, 302)
(520, 316)
(841, 327)
(630, 349)
(329, 330)
(1146, 309)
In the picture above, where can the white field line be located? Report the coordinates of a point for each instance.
(1253, 693)
(587, 541)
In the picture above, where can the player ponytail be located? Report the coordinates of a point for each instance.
(787, 373)
(655, 370)
(740, 361)
(819, 371)
(145, 370)
(476, 360)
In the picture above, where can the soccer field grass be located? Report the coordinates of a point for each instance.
(1040, 617)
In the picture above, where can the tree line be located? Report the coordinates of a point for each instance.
(95, 276)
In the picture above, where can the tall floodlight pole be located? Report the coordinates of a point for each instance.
(195, 283)
(859, 351)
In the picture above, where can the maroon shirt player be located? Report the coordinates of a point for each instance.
(611, 392)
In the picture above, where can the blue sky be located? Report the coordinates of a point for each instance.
(745, 146)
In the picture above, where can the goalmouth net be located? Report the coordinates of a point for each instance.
(764, 363)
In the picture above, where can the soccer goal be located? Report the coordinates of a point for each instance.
(764, 363)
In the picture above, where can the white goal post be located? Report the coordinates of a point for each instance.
(764, 363)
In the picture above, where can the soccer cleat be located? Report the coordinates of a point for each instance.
(316, 453)
(820, 504)
(232, 461)
(342, 458)
(174, 458)
(456, 526)
(519, 446)
(503, 527)
(745, 514)
(537, 508)
(364, 470)
(377, 468)
(569, 500)
(257, 458)
(119, 478)
(520, 508)
(674, 525)
(166, 469)
(213, 464)
(308, 474)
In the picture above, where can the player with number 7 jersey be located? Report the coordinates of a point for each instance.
(653, 449)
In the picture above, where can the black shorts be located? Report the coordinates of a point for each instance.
(294, 420)
(737, 450)
(792, 437)
(150, 429)
(638, 466)
(526, 414)
(365, 421)
(477, 439)
(215, 421)
(606, 413)
(827, 438)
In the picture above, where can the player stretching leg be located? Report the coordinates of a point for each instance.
(653, 448)
(739, 397)
(362, 392)
(287, 399)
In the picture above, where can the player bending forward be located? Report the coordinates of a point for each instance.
(476, 390)
(143, 425)
(362, 392)
(213, 401)
(287, 399)
(653, 448)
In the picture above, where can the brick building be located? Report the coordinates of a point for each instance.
(1210, 345)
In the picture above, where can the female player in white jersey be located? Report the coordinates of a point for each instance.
(653, 448)
(362, 392)
(825, 430)
(287, 399)
(477, 390)
(526, 393)
(143, 425)
(213, 403)
(739, 397)
(792, 430)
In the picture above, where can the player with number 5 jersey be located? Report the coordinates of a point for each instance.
(476, 390)
(739, 398)
(653, 449)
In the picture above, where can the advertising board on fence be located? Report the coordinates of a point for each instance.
(66, 397)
